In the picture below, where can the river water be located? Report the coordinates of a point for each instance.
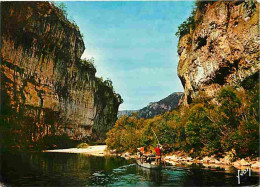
(63, 169)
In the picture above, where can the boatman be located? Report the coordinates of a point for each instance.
(158, 154)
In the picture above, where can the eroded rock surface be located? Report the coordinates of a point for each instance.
(223, 49)
(45, 87)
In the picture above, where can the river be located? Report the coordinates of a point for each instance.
(68, 169)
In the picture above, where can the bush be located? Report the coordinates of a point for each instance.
(200, 129)
(82, 145)
(190, 22)
(186, 26)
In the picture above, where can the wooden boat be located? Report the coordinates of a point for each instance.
(149, 166)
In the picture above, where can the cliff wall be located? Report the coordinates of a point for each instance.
(46, 89)
(221, 47)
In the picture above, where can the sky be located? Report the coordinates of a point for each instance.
(134, 45)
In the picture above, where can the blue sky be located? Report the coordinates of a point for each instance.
(134, 45)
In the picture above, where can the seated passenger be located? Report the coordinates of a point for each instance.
(150, 157)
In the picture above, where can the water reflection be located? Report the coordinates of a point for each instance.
(56, 169)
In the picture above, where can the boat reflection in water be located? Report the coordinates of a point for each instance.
(152, 175)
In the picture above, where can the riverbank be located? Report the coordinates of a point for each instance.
(212, 162)
(180, 158)
(96, 150)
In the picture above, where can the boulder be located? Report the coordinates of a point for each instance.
(173, 158)
(256, 165)
(236, 163)
(206, 159)
(214, 161)
(225, 161)
(243, 162)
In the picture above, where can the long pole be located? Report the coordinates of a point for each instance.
(155, 136)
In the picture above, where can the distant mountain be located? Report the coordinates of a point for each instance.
(155, 108)
(126, 112)
(164, 105)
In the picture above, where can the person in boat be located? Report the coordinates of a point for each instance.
(142, 150)
(150, 157)
(158, 154)
(140, 154)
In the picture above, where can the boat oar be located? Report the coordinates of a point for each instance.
(155, 136)
(158, 142)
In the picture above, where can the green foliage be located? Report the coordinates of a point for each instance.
(89, 63)
(61, 10)
(203, 128)
(186, 26)
(62, 7)
(190, 23)
(125, 133)
(229, 107)
(82, 145)
(202, 134)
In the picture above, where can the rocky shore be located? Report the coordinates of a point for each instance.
(213, 162)
(227, 162)
(175, 159)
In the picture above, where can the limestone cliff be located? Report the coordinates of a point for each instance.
(45, 87)
(221, 47)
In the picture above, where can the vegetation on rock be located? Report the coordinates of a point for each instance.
(203, 128)
(189, 24)
(186, 26)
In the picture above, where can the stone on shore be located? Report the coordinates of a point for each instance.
(214, 161)
(172, 158)
(236, 164)
(243, 162)
(256, 165)
(206, 159)
(226, 160)
(240, 163)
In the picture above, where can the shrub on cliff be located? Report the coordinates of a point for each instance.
(189, 24)
(186, 26)
(203, 127)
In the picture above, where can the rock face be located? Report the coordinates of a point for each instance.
(45, 87)
(155, 108)
(164, 105)
(222, 49)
